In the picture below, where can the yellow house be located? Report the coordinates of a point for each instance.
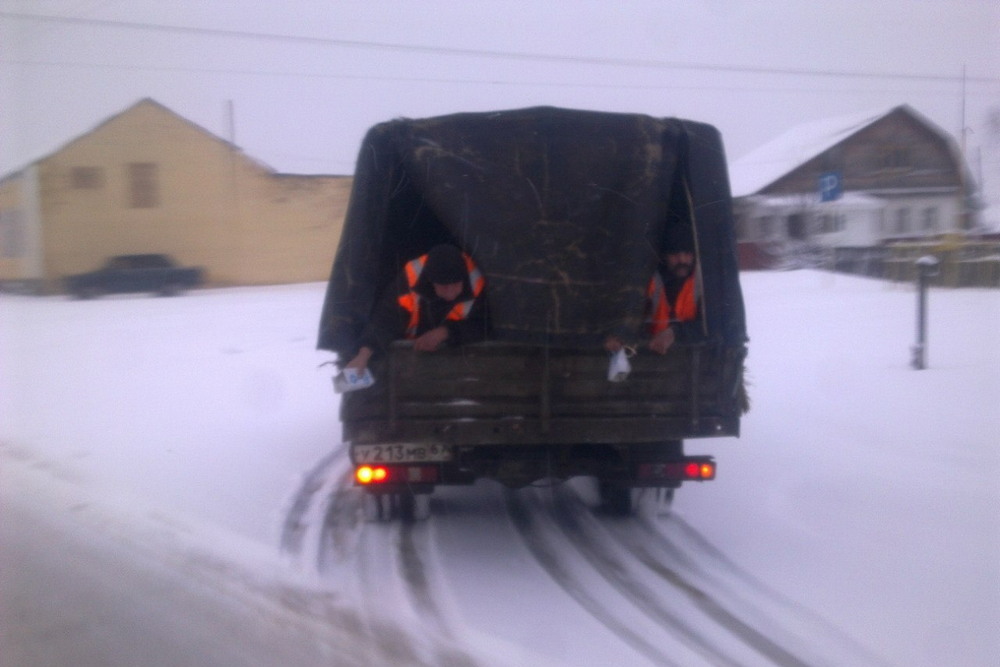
(149, 181)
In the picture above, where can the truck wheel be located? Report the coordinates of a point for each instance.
(413, 506)
(653, 502)
(616, 499)
(406, 506)
(402, 505)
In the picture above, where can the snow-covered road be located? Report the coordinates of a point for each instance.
(174, 492)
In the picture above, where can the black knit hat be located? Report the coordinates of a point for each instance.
(445, 265)
(678, 238)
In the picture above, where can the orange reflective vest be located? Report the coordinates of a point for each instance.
(411, 300)
(661, 313)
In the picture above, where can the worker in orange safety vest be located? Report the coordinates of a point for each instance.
(671, 297)
(437, 300)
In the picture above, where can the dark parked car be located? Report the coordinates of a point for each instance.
(135, 273)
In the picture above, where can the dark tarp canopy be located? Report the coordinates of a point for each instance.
(564, 211)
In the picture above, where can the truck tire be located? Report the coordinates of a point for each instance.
(616, 499)
(654, 502)
(402, 505)
(406, 506)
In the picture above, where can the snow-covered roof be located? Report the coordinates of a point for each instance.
(764, 165)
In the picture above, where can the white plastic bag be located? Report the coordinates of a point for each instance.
(350, 379)
(619, 366)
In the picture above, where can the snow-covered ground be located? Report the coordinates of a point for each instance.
(172, 491)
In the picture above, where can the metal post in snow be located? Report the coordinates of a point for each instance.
(927, 267)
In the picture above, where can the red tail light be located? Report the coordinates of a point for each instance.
(368, 474)
(418, 474)
(681, 471)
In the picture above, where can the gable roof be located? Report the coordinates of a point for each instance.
(146, 101)
(766, 164)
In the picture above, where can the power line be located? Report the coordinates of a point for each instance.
(482, 53)
(618, 85)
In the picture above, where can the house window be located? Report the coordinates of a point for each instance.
(830, 223)
(931, 219)
(87, 178)
(12, 234)
(837, 223)
(895, 157)
(765, 227)
(902, 221)
(143, 185)
(797, 226)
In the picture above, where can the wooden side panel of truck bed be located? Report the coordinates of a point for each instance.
(504, 394)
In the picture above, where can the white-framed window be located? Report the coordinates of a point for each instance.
(902, 220)
(831, 223)
(931, 219)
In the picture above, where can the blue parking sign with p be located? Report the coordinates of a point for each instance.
(830, 187)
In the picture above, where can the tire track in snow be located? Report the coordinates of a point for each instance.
(547, 556)
(342, 518)
(378, 561)
(414, 575)
(583, 530)
(328, 505)
(689, 550)
(698, 595)
(296, 525)
(395, 588)
(418, 579)
(325, 527)
(380, 593)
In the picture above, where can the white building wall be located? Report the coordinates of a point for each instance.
(855, 220)
(855, 227)
(918, 216)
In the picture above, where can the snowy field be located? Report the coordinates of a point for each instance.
(173, 492)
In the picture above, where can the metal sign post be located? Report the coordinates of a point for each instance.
(927, 267)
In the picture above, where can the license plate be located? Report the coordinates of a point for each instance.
(401, 453)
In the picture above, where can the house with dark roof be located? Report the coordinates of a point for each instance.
(850, 182)
(147, 180)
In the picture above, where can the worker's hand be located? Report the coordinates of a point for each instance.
(662, 341)
(431, 340)
(612, 344)
(360, 360)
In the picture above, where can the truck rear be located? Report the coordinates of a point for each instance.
(565, 213)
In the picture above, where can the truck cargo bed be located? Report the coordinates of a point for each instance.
(517, 396)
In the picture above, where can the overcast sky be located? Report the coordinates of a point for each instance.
(306, 78)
